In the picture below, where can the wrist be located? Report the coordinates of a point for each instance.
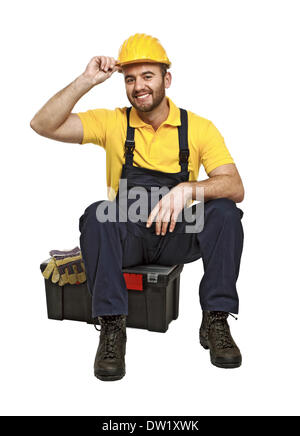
(187, 190)
(193, 190)
(84, 83)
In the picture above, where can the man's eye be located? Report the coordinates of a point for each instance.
(148, 77)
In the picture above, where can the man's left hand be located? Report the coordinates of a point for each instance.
(169, 207)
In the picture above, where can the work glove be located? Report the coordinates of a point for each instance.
(71, 270)
(51, 268)
(66, 270)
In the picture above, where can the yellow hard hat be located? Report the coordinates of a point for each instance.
(142, 48)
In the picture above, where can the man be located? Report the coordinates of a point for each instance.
(164, 147)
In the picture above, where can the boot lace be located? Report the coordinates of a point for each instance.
(111, 328)
(219, 322)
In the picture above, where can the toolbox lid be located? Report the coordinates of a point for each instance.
(146, 269)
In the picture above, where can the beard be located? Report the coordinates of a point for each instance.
(156, 97)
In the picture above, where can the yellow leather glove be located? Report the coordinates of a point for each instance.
(51, 268)
(71, 270)
(68, 270)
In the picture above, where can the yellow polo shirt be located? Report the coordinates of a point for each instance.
(156, 150)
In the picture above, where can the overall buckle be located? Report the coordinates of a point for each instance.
(184, 156)
(129, 146)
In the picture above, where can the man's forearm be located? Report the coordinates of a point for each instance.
(54, 113)
(221, 186)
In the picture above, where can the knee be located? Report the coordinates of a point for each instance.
(89, 217)
(101, 218)
(224, 208)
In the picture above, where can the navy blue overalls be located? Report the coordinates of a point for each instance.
(109, 246)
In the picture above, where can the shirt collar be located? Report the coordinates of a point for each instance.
(172, 120)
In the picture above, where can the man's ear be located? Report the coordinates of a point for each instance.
(168, 79)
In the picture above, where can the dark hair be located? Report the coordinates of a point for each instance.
(163, 68)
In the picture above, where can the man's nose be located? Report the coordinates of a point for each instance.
(139, 84)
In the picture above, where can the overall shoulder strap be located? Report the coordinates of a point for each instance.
(184, 151)
(129, 142)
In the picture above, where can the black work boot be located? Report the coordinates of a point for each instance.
(215, 335)
(110, 357)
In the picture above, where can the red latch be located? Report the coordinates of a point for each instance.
(134, 281)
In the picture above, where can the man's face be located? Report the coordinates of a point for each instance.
(145, 86)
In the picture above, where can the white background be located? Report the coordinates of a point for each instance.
(235, 63)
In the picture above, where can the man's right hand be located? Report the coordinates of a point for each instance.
(55, 120)
(100, 68)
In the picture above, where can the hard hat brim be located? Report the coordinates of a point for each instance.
(141, 61)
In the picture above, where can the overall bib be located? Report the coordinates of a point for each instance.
(109, 246)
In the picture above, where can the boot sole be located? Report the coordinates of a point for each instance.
(109, 377)
(226, 365)
(219, 365)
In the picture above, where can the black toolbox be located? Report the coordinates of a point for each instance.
(153, 297)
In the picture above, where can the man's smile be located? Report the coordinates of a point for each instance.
(142, 96)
